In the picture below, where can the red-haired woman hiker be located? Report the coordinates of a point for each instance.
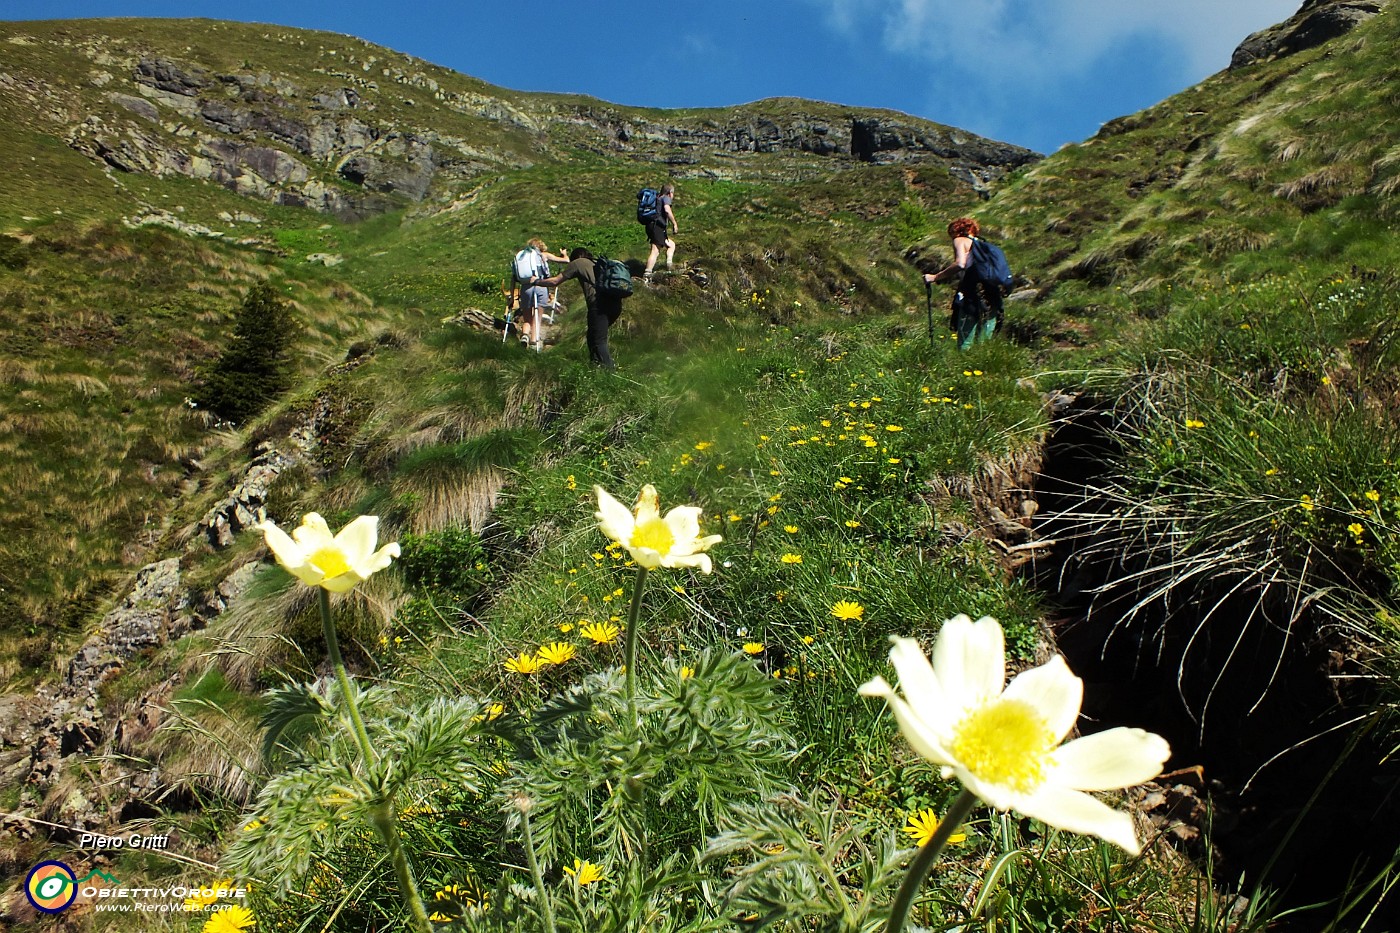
(977, 304)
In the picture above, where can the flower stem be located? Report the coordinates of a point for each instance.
(382, 814)
(923, 861)
(346, 693)
(633, 623)
(383, 818)
(535, 874)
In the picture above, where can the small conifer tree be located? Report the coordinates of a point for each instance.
(255, 367)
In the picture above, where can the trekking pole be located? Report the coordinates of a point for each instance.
(510, 313)
(929, 287)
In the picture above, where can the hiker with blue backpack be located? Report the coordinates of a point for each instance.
(983, 275)
(654, 210)
(605, 282)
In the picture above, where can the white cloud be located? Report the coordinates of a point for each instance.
(1014, 37)
(1027, 60)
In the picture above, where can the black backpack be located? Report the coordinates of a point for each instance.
(612, 278)
(989, 263)
(648, 205)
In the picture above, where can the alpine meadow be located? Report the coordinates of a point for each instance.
(327, 605)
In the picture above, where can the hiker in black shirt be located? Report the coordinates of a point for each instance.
(603, 310)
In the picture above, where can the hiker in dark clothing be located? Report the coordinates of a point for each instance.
(977, 307)
(658, 229)
(603, 310)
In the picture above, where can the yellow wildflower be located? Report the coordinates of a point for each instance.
(922, 825)
(585, 872)
(848, 611)
(205, 896)
(556, 653)
(600, 633)
(235, 919)
(523, 663)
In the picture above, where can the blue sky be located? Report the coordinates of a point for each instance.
(1039, 74)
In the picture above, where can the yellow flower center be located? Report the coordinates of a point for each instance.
(330, 561)
(654, 534)
(1005, 742)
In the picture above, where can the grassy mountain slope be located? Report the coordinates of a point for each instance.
(1204, 273)
(111, 324)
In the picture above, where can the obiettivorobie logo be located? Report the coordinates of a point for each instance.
(52, 887)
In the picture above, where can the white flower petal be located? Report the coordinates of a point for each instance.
(920, 685)
(356, 540)
(996, 796)
(646, 557)
(648, 506)
(1053, 690)
(696, 545)
(700, 562)
(1109, 760)
(342, 583)
(969, 659)
(1079, 813)
(378, 560)
(288, 553)
(916, 732)
(313, 533)
(684, 522)
(614, 518)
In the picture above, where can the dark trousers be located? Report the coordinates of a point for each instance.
(976, 311)
(601, 316)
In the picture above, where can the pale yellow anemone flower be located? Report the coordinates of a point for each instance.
(1003, 743)
(653, 540)
(336, 563)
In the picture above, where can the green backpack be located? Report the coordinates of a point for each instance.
(612, 278)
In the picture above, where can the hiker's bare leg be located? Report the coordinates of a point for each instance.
(670, 252)
(651, 258)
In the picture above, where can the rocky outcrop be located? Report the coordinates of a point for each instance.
(356, 132)
(1318, 21)
(244, 506)
(70, 721)
(850, 134)
(265, 137)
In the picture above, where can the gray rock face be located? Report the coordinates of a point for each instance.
(270, 137)
(878, 139)
(137, 105)
(243, 507)
(143, 620)
(883, 140)
(166, 75)
(1318, 21)
(39, 735)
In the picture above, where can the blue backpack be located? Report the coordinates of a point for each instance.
(989, 263)
(648, 208)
